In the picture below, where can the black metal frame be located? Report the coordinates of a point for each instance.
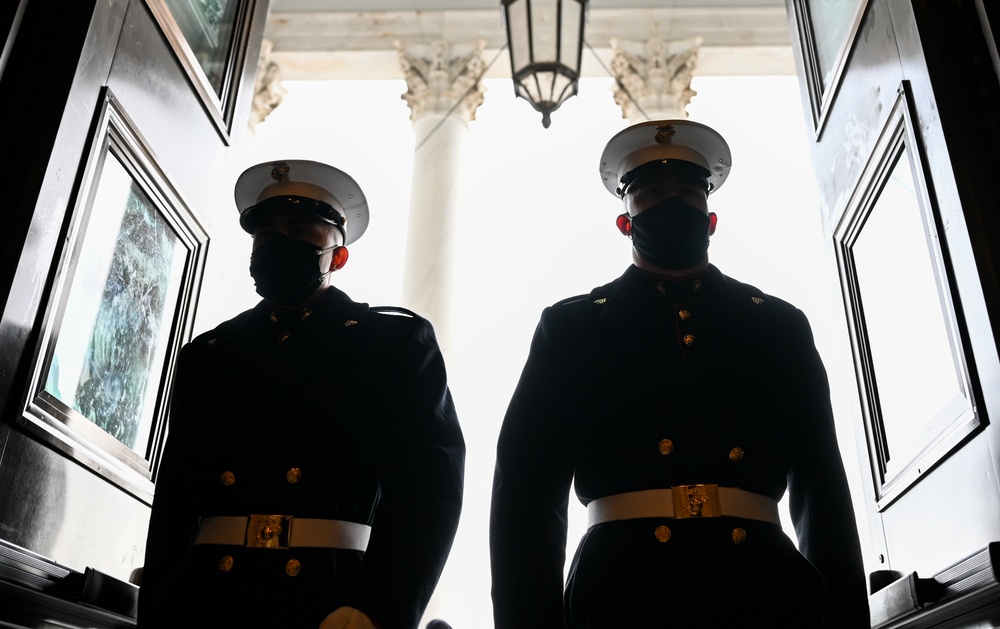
(45, 415)
(219, 106)
(821, 96)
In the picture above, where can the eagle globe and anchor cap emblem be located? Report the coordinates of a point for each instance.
(665, 134)
(280, 171)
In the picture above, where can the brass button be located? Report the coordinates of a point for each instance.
(684, 314)
(294, 475)
(662, 533)
(736, 455)
(666, 446)
(293, 567)
(227, 478)
(273, 317)
(305, 314)
(739, 535)
(226, 563)
(283, 338)
(689, 339)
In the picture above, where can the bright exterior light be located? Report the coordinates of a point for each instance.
(545, 38)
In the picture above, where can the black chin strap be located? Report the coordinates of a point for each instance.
(660, 167)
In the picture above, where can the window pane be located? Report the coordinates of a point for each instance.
(113, 339)
(207, 26)
(831, 22)
(915, 371)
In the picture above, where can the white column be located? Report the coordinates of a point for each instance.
(654, 77)
(443, 95)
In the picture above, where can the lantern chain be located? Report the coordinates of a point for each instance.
(475, 85)
(617, 82)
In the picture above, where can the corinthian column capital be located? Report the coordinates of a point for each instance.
(654, 77)
(268, 91)
(443, 78)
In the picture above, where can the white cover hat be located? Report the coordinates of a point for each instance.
(328, 192)
(665, 141)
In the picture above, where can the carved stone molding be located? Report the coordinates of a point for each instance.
(268, 91)
(443, 78)
(656, 77)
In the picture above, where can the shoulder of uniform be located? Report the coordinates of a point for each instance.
(577, 305)
(396, 317)
(393, 311)
(576, 310)
(749, 295)
(596, 296)
(599, 295)
(210, 337)
(570, 301)
(205, 337)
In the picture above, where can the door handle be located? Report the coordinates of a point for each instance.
(895, 595)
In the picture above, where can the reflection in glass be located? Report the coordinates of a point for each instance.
(114, 335)
(208, 27)
(831, 22)
(915, 371)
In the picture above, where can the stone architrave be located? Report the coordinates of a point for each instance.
(653, 77)
(444, 91)
(268, 90)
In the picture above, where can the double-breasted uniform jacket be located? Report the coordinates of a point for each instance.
(649, 384)
(332, 411)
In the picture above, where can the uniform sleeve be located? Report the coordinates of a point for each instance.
(531, 484)
(419, 453)
(172, 523)
(819, 498)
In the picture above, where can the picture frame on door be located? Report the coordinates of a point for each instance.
(121, 305)
(827, 29)
(912, 359)
(209, 39)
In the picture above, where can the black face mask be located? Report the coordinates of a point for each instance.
(286, 271)
(672, 234)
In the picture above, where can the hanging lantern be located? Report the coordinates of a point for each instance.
(545, 38)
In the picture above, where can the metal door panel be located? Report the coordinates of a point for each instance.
(50, 504)
(951, 513)
(946, 507)
(59, 509)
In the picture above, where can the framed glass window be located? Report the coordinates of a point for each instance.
(910, 358)
(120, 307)
(826, 33)
(209, 38)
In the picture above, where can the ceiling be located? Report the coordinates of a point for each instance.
(486, 5)
(357, 39)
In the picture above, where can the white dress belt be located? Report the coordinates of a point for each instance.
(282, 531)
(683, 501)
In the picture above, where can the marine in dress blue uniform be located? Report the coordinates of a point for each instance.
(313, 470)
(681, 405)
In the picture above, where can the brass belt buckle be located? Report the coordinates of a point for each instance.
(696, 501)
(268, 531)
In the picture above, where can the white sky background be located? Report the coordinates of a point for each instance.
(537, 225)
